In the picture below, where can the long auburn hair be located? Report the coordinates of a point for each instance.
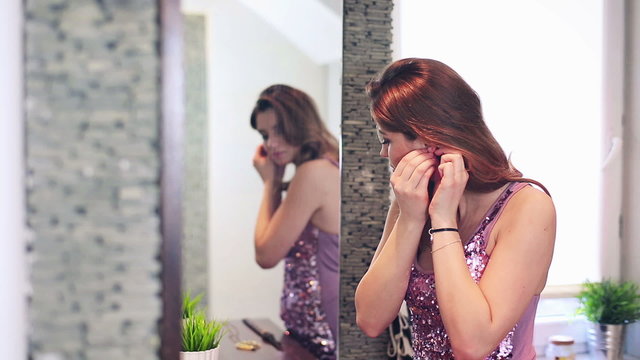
(426, 99)
(299, 121)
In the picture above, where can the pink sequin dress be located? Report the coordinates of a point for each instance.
(430, 340)
(309, 302)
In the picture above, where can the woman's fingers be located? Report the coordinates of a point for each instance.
(410, 161)
(411, 189)
(454, 170)
(424, 180)
(260, 151)
(446, 198)
(446, 171)
(407, 160)
(410, 183)
(420, 170)
(260, 155)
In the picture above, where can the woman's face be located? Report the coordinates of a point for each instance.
(395, 145)
(278, 150)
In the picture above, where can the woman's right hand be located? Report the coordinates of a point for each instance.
(269, 171)
(410, 183)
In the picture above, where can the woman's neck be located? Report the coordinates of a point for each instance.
(473, 206)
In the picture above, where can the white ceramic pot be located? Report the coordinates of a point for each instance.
(200, 355)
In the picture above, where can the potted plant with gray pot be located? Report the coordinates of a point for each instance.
(609, 306)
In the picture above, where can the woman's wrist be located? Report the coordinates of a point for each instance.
(438, 222)
(412, 220)
(273, 187)
(273, 183)
(411, 229)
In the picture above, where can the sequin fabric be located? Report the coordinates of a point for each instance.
(300, 304)
(430, 340)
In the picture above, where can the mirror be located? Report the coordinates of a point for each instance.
(234, 50)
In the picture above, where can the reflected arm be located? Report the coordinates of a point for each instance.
(271, 200)
(281, 221)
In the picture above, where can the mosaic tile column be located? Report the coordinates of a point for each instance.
(365, 175)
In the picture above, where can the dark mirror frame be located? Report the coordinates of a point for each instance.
(171, 177)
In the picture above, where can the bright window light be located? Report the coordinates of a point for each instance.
(537, 67)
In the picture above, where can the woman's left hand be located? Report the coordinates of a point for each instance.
(446, 198)
(269, 171)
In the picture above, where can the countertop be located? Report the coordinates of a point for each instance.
(238, 331)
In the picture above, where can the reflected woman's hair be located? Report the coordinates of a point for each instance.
(298, 121)
(424, 98)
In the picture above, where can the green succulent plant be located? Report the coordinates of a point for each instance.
(200, 334)
(609, 302)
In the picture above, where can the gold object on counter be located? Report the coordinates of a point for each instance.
(248, 345)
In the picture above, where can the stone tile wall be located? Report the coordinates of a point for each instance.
(92, 100)
(365, 175)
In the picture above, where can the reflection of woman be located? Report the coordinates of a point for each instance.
(467, 242)
(303, 227)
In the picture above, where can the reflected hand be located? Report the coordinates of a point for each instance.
(410, 183)
(446, 198)
(269, 171)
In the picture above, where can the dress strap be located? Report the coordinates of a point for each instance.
(498, 207)
(335, 163)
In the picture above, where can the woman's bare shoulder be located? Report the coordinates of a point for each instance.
(317, 173)
(317, 167)
(531, 198)
(529, 208)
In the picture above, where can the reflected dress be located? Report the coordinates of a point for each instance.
(309, 302)
(430, 340)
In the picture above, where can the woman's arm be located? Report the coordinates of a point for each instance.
(389, 225)
(280, 224)
(380, 292)
(478, 316)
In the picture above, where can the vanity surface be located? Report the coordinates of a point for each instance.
(238, 331)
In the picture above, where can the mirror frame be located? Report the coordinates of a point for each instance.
(171, 177)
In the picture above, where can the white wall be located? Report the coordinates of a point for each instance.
(537, 67)
(245, 56)
(13, 334)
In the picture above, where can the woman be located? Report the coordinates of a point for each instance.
(458, 203)
(301, 228)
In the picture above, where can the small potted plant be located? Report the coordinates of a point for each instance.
(201, 337)
(609, 306)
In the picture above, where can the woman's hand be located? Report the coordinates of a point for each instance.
(410, 183)
(446, 198)
(269, 171)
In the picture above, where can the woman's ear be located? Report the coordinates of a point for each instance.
(418, 144)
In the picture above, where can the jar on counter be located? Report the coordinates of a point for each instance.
(561, 348)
